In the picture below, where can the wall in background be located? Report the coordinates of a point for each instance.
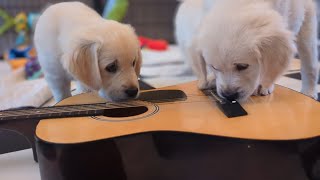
(152, 18)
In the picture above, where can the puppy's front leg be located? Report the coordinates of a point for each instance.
(60, 87)
(263, 90)
(55, 75)
(265, 87)
(308, 52)
(81, 88)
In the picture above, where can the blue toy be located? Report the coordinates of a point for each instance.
(16, 53)
(32, 19)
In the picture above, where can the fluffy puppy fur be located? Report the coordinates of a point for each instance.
(74, 42)
(248, 44)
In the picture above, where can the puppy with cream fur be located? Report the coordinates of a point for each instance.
(75, 42)
(248, 44)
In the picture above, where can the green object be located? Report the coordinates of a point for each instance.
(116, 9)
(35, 75)
(8, 21)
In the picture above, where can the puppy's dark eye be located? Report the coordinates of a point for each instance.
(112, 68)
(241, 67)
(134, 63)
(214, 68)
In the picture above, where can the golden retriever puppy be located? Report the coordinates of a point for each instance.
(74, 42)
(248, 44)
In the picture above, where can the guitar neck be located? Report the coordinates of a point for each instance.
(91, 109)
(62, 111)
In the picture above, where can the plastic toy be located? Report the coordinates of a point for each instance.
(24, 56)
(116, 9)
(21, 23)
(154, 44)
(8, 21)
(32, 19)
(17, 63)
(21, 38)
(18, 57)
(33, 69)
(21, 27)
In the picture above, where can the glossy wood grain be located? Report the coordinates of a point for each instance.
(284, 115)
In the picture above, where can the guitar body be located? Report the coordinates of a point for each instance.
(185, 139)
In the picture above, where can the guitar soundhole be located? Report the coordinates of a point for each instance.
(125, 112)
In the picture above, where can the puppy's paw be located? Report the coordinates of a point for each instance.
(207, 84)
(211, 81)
(202, 84)
(311, 93)
(80, 88)
(263, 91)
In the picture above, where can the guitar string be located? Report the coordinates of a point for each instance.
(41, 111)
(85, 106)
(88, 107)
(70, 109)
(71, 106)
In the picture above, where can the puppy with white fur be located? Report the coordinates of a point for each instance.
(248, 44)
(75, 42)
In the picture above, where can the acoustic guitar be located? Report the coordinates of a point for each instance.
(164, 133)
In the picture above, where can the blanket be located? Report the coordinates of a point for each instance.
(15, 91)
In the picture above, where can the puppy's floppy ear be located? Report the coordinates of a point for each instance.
(138, 63)
(275, 52)
(139, 57)
(199, 66)
(84, 65)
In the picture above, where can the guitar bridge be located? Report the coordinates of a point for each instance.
(230, 108)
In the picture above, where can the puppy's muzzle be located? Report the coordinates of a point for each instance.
(230, 95)
(131, 92)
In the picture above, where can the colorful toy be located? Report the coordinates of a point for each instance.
(22, 52)
(21, 27)
(154, 44)
(32, 19)
(116, 9)
(24, 56)
(21, 38)
(21, 23)
(8, 22)
(33, 69)
(18, 57)
(17, 63)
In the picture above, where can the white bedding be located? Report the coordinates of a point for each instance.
(15, 91)
(159, 67)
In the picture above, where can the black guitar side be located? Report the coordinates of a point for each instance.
(179, 156)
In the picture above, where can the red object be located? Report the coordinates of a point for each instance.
(143, 41)
(155, 44)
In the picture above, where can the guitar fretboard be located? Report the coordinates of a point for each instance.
(158, 96)
(63, 111)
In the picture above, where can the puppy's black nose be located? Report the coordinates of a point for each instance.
(230, 95)
(132, 92)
